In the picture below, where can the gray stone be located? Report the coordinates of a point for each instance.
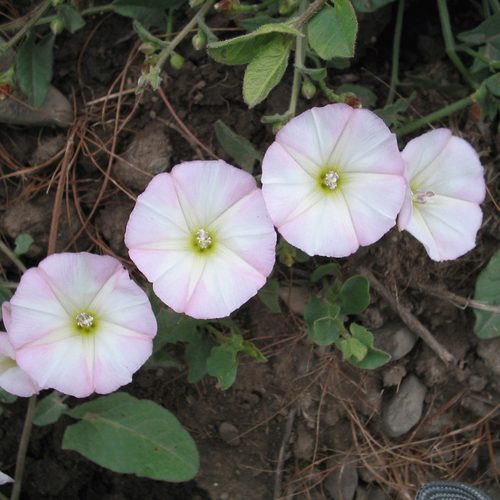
(341, 484)
(489, 350)
(404, 410)
(148, 155)
(395, 339)
(477, 383)
(295, 298)
(394, 375)
(304, 444)
(229, 433)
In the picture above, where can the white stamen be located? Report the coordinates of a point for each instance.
(84, 320)
(422, 196)
(203, 238)
(330, 179)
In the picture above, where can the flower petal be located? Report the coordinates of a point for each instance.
(4, 479)
(447, 227)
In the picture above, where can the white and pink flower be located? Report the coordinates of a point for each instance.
(79, 324)
(201, 234)
(333, 180)
(445, 187)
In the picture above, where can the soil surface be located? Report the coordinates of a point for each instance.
(305, 424)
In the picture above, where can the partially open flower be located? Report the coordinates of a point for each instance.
(445, 187)
(333, 180)
(12, 378)
(79, 324)
(201, 234)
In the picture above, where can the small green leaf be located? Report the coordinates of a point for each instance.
(23, 243)
(147, 12)
(373, 358)
(128, 435)
(332, 31)
(6, 397)
(394, 113)
(266, 70)
(72, 19)
(34, 68)
(197, 354)
(253, 351)
(487, 325)
(355, 295)
(163, 359)
(269, 295)
(243, 49)
(316, 74)
(236, 146)
(321, 318)
(49, 409)
(357, 348)
(145, 35)
(223, 365)
(330, 269)
(370, 5)
(487, 34)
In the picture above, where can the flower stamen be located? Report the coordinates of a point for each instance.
(203, 239)
(422, 196)
(330, 180)
(84, 320)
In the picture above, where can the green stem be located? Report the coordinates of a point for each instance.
(23, 448)
(12, 256)
(329, 93)
(437, 115)
(170, 24)
(395, 52)
(450, 43)
(26, 27)
(307, 14)
(167, 51)
(492, 65)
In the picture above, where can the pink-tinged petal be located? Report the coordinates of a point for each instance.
(226, 283)
(455, 171)
(406, 213)
(157, 216)
(207, 188)
(6, 313)
(12, 378)
(447, 227)
(367, 145)
(118, 354)
(312, 136)
(374, 201)
(65, 365)
(4, 479)
(325, 228)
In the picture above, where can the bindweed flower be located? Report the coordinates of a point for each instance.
(201, 234)
(12, 378)
(79, 324)
(333, 180)
(4, 479)
(445, 187)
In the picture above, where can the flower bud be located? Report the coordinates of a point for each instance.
(176, 61)
(57, 26)
(199, 40)
(352, 100)
(227, 6)
(308, 89)
(287, 6)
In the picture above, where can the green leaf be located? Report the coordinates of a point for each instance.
(163, 359)
(34, 68)
(128, 435)
(330, 269)
(223, 365)
(316, 74)
(370, 5)
(243, 49)
(145, 11)
(373, 358)
(72, 19)
(146, 36)
(355, 295)
(23, 243)
(487, 34)
(253, 23)
(321, 318)
(266, 70)
(487, 325)
(358, 349)
(197, 354)
(394, 113)
(236, 146)
(49, 409)
(269, 295)
(332, 31)
(6, 397)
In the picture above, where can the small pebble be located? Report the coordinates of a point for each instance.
(229, 433)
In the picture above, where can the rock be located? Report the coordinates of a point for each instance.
(295, 298)
(376, 493)
(112, 222)
(47, 148)
(477, 383)
(395, 339)
(304, 444)
(56, 110)
(229, 433)
(148, 155)
(341, 484)
(404, 410)
(432, 369)
(488, 350)
(394, 375)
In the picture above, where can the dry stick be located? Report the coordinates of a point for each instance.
(407, 317)
(281, 454)
(457, 299)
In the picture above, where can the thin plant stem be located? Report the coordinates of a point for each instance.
(495, 5)
(329, 93)
(395, 52)
(23, 448)
(437, 115)
(167, 51)
(12, 256)
(308, 13)
(26, 27)
(450, 43)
